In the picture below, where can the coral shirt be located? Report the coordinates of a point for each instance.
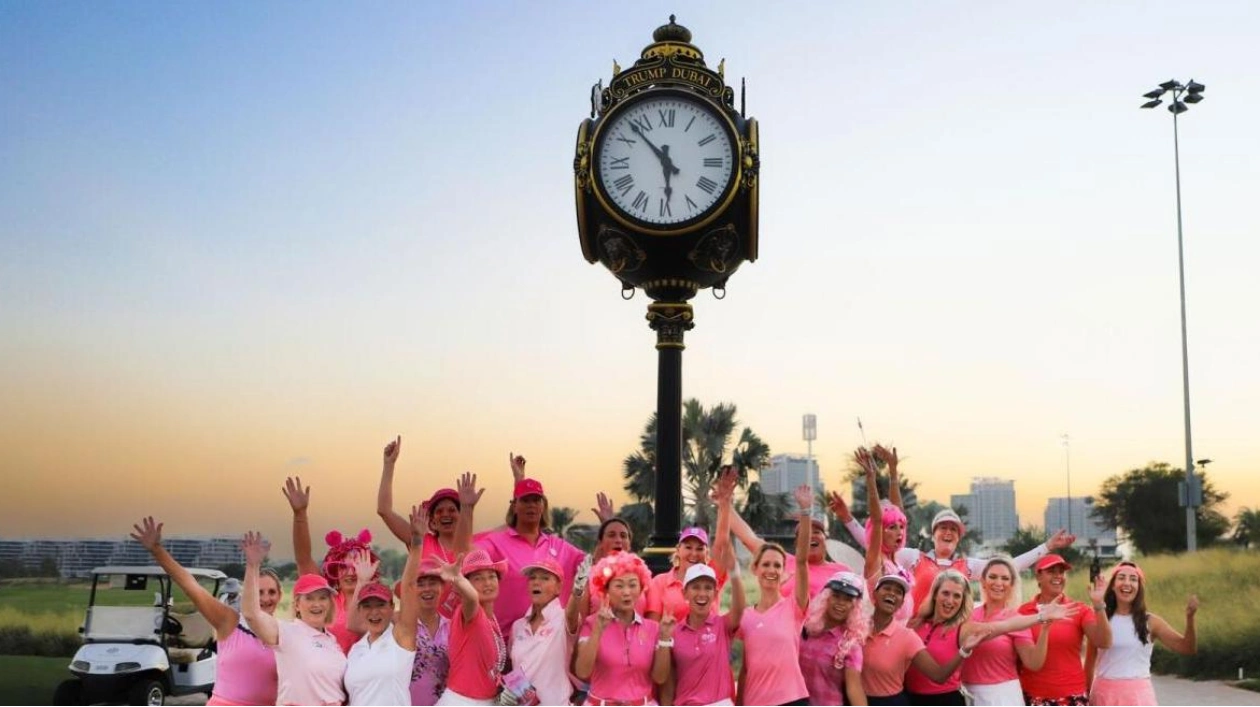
(995, 660)
(772, 666)
(1063, 673)
(507, 544)
(885, 658)
(478, 654)
(702, 662)
(623, 662)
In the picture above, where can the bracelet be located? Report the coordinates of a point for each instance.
(665, 643)
(963, 653)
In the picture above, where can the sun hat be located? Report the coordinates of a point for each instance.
(895, 579)
(442, 495)
(376, 590)
(479, 560)
(948, 516)
(696, 532)
(309, 583)
(546, 564)
(699, 571)
(527, 487)
(845, 583)
(1051, 561)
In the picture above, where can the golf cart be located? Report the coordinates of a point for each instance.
(138, 645)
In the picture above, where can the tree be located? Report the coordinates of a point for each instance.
(706, 447)
(764, 512)
(1143, 503)
(392, 561)
(561, 518)
(1247, 527)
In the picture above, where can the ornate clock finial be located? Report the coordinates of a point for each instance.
(672, 40)
(672, 32)
(616, 67)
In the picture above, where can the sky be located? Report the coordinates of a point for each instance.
(241, 241)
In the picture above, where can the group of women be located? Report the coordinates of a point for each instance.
(517, 615)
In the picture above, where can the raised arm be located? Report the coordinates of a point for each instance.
(889, 458)
(385, 493)
(219, 615)
(842, 513)
(1046, 613)
(739, 602)
(745, 533)
(469, 496)
(364, 571)
(723, 496)
(260, 622)
(409, 602)
(451, 573)
(1060, 540)
(804, 501)
(1185, 644)
(1099, 632)
(874, 549)
(299, 499)
(663, 656)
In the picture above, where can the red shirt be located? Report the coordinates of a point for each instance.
(476, 652)
(1063, 673)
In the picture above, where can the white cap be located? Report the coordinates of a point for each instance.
(695, 572)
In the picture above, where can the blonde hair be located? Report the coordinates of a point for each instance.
(544, 523)
(329, 618)
(1016, 594)
(928, 610)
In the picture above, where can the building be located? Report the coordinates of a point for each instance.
(990, 509)
(787, 471)
(1075, 515)
(77, 557)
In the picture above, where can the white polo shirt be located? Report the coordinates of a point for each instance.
(379, 673)
(544, 655)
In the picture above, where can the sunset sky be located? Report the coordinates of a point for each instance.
(245, 240)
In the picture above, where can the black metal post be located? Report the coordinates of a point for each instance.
(670, 321)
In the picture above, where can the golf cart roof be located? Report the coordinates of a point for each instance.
(155, 570)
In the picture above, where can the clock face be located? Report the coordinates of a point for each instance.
(665, 161)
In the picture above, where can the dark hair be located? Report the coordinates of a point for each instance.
(1138, 610)
(615, 519)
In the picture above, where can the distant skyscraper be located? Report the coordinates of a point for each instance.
(787, 471)
(1083, 524)
(990, 509)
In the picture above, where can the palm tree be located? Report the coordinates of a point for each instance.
(561, 518)
(706, 447)
(1247, 527)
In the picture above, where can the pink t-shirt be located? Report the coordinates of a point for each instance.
(477, 656)
(309, 666)
(623, 663)
(1063, 673)
(824, 680)
(818, 576)
(772, 668)
(994, 661)
(702, 662)
(345, 637)
(666, 589)
(890, 567)
(507, 544)
(246, 670)
(885, 658)
(942, 645)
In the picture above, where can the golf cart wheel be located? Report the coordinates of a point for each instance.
(69, 692)
(147, 692)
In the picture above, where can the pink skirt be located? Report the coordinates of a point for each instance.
(1130, 691)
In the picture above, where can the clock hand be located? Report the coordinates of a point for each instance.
(638, 131)
(667, 166)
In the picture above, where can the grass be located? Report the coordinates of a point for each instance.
(1249, 684)
(26, 680)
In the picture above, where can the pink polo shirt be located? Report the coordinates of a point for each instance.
(246, 670)
(942, 645)
(994, 660)
(543, 655)
(507, 544)
(309, 666)
(476, 656)
(885, 658)
(824, 680)
(772, 668)
(345, 637)
(818, 576)
(623, 663)
(702, 662)
(666, 589)
(1063, 673)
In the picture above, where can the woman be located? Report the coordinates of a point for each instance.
(771, 629)
(941, 623)
(433, 633)
(701, 656)
(620, 653)
(477, 649)
(542, 639)
(885, 534)
(336, 567)
(1061, 679)
(246, 667)
(836, 626)
(991, 674)
(891, 648)
(379, 665)
(666, 589)
(309, 663)
(1122, 673)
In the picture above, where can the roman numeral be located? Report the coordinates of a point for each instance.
(667, 118)
(707, 184)
(643, 122)
(622, 163)
(691, 204)
(641, 202)
(624, 184)
(626, 140)
(708, 140)
(711, 161)
(689, 122)
(665, 211)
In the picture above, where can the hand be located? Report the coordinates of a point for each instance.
(837, 505)
(974, 639)
(517, 463)
(419, 520)
(1057, 610)
(1060, 540)
(148, 533)
(724, 490)
(865, 461)
(363, 565)
(469, 495)
(391, 451)
(299, 497)
(668, 621)
(255, 548)
(804, 495)
(603, 507)
(604, 616)
(1192, 605)
(1098, 590)
(886, 457)
(449, 571)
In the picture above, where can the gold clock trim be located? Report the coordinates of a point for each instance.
(737, 164)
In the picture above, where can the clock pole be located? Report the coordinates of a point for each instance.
(670, 321)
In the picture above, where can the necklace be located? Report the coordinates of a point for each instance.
(500, 649)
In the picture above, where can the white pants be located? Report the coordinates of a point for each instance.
(450, 697)
(999, 694)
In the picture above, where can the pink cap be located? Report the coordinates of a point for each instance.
(478, 560)
(308, 583)
(440, 495)
(376, 590)
(527, 487)
(1051, 561)
(429, 567)
(694, 532)
(544, 563)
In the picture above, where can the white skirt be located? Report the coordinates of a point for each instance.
(1001, 694)
(450, 697)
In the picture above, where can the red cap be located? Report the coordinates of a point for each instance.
(527, 487)
(442, 494)
(1051, 561)
(429, 567)
(376, 590)
(308, 583)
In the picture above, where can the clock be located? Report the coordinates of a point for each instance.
(665, 162)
